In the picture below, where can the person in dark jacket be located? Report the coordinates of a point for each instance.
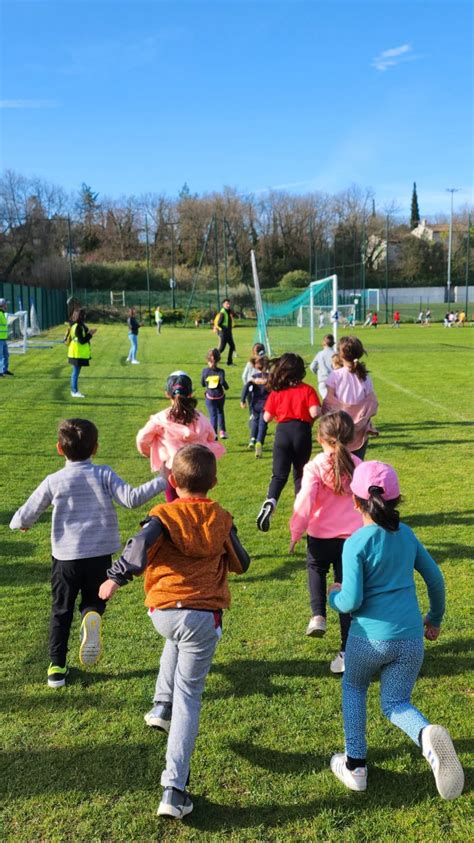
(78, 340)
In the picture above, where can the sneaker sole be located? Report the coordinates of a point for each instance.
(316, 633)
(157, 723)
(56, 683)
(169, 812)
(263, 520)
(449, 776)
(90, 650)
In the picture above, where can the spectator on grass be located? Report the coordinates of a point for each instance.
(4, 355)
(78, 339)
(186, 550)
(84, 534)
(428, 317)
(368, 320)
(158, 319)
(133, 329)
(224, 324)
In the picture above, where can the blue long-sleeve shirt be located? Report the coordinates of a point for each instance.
(378, 586)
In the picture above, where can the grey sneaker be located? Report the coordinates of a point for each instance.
(316, 627)
(266, 512)
(91, 638)
(353, 779)
(338, 663)
(175, 804)
(438, 749)
(159, 716)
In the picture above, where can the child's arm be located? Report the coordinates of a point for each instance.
(349, 597)
(223, 381)
(134, 558)
(130, 496)
(203, 378)
(304, 503)
(146, 436)
(431, 573)
(25, 517)
(244, 393)
(237, 557)
(314, 365)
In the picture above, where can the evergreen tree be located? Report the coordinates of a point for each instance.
(415, 212)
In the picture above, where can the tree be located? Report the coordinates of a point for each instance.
(415, 212)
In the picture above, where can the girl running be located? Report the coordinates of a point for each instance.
(294, 405)
(325, 511)
(181, 424)
(258, 350)
(213, 379)
(256, 393)
(349, 388)
(322, 363)
(386, 632)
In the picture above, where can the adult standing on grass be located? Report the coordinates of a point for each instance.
(158, 319)
(78, 339)
(224, 324)
(133, 329)
(4, 356)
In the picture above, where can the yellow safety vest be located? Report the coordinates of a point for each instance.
(226, 322)
(75, 349)
(3, 325)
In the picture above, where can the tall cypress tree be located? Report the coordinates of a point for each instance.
(415, 212)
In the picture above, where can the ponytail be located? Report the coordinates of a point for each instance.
(382, 512)
(183, 409)
(337, 430)
(351, 350)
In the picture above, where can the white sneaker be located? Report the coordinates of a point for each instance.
(337, 665)
(438, 749)
(77, 395)
(135, 362)
(353, 779)
(316, 627)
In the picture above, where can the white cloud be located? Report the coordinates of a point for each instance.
(394, 56)
(28, 104)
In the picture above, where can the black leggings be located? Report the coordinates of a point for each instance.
(322, 553)
(291, 447)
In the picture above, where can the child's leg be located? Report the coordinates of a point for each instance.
(220, 414)
(195, 635)
(318, 567)
(262, 428)
(65, 584)
(281, 466)
(93, 574)
(396, 685)
(363, 659)
(253, 425)
(344, 619)
(165, 680)
(74, 378)
(302, 446)
(212, 410)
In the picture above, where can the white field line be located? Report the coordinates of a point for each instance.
(448, 410)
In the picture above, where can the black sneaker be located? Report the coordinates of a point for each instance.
(9, 373)
(266, 512)
(175, 804)
(159, 716)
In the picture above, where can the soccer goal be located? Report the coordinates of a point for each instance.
(18, 332)
(372, 299)
(117, 298)
(323, 317)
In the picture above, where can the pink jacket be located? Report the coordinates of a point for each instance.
(317, 510)
(161, 438)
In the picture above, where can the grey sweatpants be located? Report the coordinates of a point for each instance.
(191, 638)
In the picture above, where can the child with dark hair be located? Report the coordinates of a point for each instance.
(180, 424)
(321, 366)
(78, 341)
(256, 393)
(258, 350)
(84, 534)
(185, 550)
(294, 405)
(386, 633)
(325, 511)
(215, 384)
(350, 388)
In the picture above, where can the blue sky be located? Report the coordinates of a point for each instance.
(132, 97)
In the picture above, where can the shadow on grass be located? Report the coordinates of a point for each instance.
(15, 548)
(6, 516)
(435, 519)
(449, 550)
(418, 444)
(256, 676)
(23, 573)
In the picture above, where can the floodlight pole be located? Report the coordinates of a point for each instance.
(452, 191)
(148, 267)
(468, 260)
(386, 269)
(69, 249)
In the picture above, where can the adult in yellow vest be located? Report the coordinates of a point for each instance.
(4, 356)
(78, 340)
(223, 323)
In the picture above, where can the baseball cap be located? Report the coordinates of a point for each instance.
(179, 383)
(375, 473)
(2, 302)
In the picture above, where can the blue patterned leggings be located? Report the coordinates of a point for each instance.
(399, 663)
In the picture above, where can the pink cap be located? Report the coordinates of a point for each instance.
(375, 473)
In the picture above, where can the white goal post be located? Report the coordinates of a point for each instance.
(18, 332)
(334, 313)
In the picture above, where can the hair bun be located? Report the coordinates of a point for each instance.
(375, 490)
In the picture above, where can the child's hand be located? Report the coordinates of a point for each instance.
(242, 405)
(292, 547)
(24, 529)
(108, 589)
(335, 586)
(431, 632)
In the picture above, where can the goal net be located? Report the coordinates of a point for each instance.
(324, 316)
(18, 332)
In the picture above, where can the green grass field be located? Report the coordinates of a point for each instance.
(79, 763)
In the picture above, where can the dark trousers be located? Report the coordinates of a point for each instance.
(226, 338)
(258, 427)
(215, 408)
(322, 553)
(361, 451)
(291, 447)
(68, 578)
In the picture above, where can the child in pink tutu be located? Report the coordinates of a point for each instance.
(180, 424)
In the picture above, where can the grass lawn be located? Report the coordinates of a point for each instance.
(80, 764)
